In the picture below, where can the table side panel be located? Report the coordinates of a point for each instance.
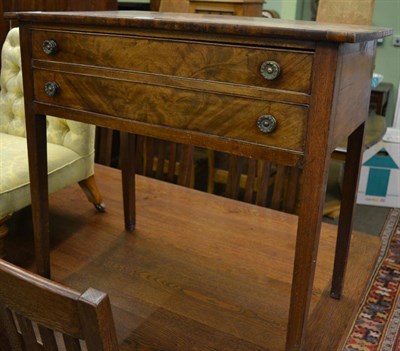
(352, 100)
(190, 59)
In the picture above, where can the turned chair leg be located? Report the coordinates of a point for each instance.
(3, 233)
(92, 193)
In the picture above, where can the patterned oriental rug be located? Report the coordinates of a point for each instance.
(377, 325)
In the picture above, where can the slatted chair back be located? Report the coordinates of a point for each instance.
(254, 181)
(346, 12)
(165, 160)
(39, 314)
(174, 6)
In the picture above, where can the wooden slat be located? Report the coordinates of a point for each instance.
(279, 181)
(48, 338)
(186, 166)
(28, 333)
(165, 160)
(211, 171)
(233, 181)
(161, 151)
(241, 175)
(263, 180)
(9, 324)
(149, 156)
(291, 190)
(104, 137)
(71, 344)
(172, 162)
(139, 156)
(250, 180)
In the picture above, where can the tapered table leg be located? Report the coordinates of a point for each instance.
(308, 233)
(128, 166)
(37, 155)
(312, 196)
(349, 194)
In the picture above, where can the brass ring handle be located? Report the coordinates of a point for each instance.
(266, 123)
(51, 88)
(49, 47)
(270, 70)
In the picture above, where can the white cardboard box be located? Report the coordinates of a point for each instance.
(379, 183)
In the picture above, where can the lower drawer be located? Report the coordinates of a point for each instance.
(225, 116)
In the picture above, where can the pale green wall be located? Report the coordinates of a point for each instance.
(285, 8)
(275, 5)
(387, 14)
(304, 10)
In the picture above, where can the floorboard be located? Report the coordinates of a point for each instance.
(200, 272)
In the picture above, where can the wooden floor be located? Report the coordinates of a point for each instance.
(200, 272)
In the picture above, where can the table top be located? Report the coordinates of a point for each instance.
(215, 24)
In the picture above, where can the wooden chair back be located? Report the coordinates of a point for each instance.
(174, 6)
(254, 181)
(39, 314)
(346, 12)
(165, 160)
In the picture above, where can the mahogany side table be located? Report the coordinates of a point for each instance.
(285, 91)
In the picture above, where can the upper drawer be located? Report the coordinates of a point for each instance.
(195, 60)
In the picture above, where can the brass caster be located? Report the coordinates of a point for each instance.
(100, 207)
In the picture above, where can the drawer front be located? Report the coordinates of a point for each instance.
(198, 111)
(194, 60)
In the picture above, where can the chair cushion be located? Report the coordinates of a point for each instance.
(70, 144)
(75, 135)
(12, 119)
(65, 167)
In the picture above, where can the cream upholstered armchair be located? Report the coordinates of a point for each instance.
(70, 145)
